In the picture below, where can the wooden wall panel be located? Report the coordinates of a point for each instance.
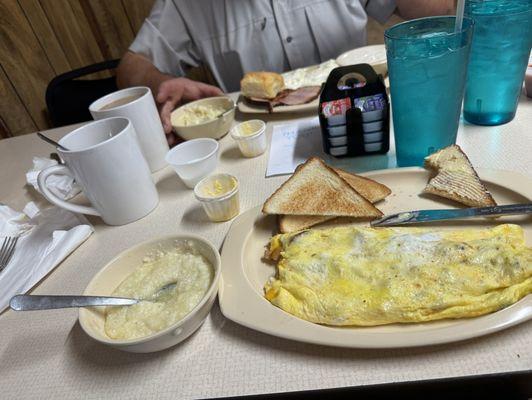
(46, 35)
(110, 26)
(40, 39)
(23, 60)
(14, 118)
(137, 11)
(73, 32)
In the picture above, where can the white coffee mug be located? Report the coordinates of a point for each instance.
(105, 159)
(137, 104)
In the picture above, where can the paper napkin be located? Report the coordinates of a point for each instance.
(46, 237)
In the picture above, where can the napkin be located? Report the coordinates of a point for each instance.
(63, 186)
(46, 237)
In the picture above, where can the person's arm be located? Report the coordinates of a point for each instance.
(136, 70)
(169, 91)
(411, 9)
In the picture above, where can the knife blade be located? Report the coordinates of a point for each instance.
(422, 216)
(27, 302)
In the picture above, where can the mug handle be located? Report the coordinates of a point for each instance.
(52, 198)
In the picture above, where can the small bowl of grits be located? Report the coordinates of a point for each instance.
(218, 194)
(211, 117)
(176, 277)
(250, 137)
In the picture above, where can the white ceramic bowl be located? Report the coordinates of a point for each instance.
(92, 320)
(253, 143)
(215, 128)
(194, 159)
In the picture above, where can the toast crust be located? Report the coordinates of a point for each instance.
(317, 189)
(368, 188)
(456, 179)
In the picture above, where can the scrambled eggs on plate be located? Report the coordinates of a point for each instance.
(366, 276)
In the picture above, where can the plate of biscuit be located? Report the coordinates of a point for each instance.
(292, 91)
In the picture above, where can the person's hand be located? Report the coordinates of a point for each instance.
(175, 91)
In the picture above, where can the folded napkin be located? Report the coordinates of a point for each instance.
(46, 237)
(62, 186)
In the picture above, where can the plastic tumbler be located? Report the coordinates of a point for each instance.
(499, 55)
(427, 63)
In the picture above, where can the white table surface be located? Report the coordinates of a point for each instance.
(47, 355)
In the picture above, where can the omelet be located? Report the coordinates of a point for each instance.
(373, 276)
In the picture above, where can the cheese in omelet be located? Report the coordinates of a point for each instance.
(366, 276)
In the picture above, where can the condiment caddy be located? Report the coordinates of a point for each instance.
(354, 112)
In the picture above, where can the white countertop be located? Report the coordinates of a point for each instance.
(47, 355)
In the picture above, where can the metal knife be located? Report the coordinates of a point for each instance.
(26, 302)
(422, 216)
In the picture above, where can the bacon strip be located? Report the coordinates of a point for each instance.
(289, 97)
(296, 97)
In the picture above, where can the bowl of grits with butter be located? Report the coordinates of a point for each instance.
(211, 117)
(176, 279)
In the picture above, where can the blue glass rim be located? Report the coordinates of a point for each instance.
(467, 25)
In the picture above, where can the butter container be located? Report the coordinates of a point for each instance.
(338, 141)
(218, 194)
(250, 137)
(338, 151)
(372, 126)
(371, 147)
(337, 130)
(334, 111)
(373, 137)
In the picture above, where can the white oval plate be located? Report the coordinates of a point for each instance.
(244, 272)
(372, 55)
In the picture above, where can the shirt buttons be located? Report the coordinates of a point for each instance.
(288, 39)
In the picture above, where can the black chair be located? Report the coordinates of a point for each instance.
(68, 98)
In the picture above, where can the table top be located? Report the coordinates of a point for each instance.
(47, 355)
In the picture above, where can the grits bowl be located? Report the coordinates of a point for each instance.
(110, 277)
(211, 117)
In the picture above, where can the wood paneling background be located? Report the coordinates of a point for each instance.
(40, 39)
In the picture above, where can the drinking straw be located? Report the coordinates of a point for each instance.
(459, 15)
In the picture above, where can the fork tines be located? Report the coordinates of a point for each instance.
(7, 250)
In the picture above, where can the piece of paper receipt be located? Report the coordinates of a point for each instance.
(292, 144)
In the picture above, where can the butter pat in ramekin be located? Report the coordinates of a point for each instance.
(250, 137)
(218, 194)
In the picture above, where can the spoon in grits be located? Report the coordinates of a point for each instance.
(26, 302)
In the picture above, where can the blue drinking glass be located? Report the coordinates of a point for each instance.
(427, 64)
(499, 56)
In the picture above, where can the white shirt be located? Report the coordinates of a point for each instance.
(233, 37)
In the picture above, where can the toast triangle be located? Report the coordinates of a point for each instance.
(456, 179)
(373, 191)
(316, 189)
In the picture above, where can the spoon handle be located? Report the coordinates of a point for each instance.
(25, 302)
(52, 142)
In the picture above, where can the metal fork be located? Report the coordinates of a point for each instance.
(7, 250)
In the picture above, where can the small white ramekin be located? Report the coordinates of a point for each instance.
(254, 144)
(194, 159)
(221, 207)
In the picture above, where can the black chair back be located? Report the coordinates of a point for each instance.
(68, 98)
